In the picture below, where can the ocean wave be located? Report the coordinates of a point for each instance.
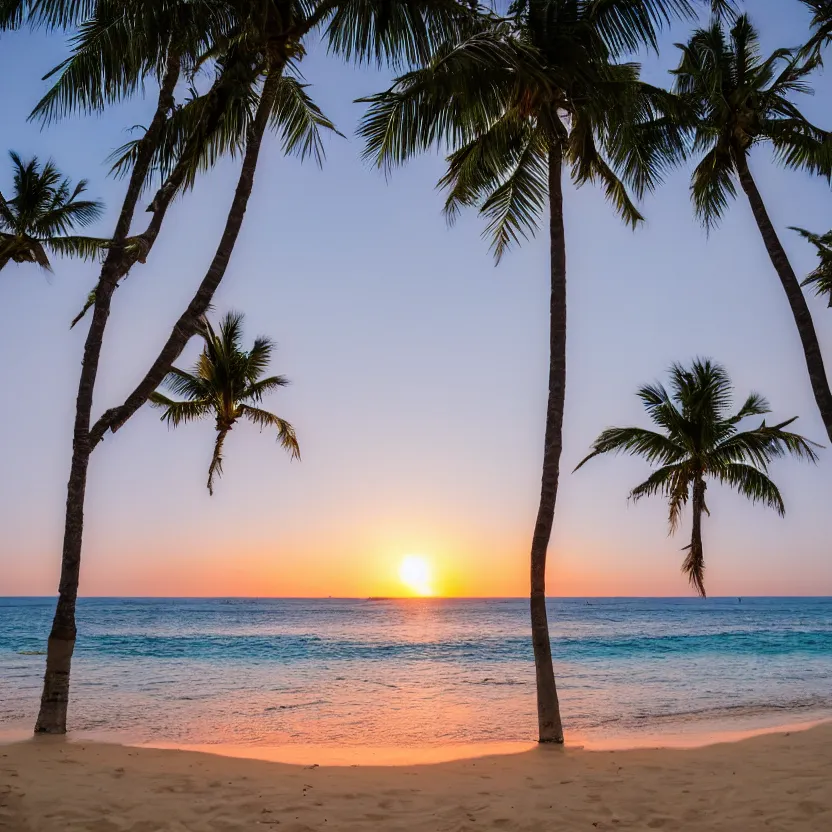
(291, 649)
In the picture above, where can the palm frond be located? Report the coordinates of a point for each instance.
(514, 206)
(86, 248)
(821, 277)
(713, 186)
(488, 158)
(179, 413)
(190, 385)
(300, 121)
(626, 26)
(285, 432)
(255, 391)
(589, 166)
(458, 95)
(752, 484)
(754, 405)
(655, 448)
(671, 481)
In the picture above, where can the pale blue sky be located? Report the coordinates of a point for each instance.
(418, 372)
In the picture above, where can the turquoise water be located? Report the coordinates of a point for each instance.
(420, 671)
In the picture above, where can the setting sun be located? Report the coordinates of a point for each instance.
(415, 575)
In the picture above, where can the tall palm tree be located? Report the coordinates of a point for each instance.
(37, 220)
(699, 440)
(821, 277)
(736, 100)
(515, 102)
(227, 384)
(253, 46)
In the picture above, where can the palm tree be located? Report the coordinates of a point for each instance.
(734, 101)
(254, 48)
(821, 277)
(36, 221)
(515, 101)
(226, 383)
(699, 440)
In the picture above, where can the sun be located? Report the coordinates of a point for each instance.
(414, 573)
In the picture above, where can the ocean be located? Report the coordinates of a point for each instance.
(420, 672)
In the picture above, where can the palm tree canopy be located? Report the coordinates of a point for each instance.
(228, 383)
(510, 91)
(821, 278)
(41, 212)
(734, 99)
(699, 436)
(118, 44)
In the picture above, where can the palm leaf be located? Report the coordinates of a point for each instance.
(86, 248)
(651, 446)
(179, 413)
(752, 484)
(300, 121)
(514, 206)
(255, 392)
(285, 432)
(821, 277)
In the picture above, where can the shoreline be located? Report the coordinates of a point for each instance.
(334, 755)
(773, 781)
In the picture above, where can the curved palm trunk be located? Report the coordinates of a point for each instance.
(796, 298)
(55, 696)
(189, 321)
(52, 717)
(549, 724)
(694, 565)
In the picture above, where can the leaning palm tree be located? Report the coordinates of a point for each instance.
(252, 49)
(37, 219)
(700, 440)
(821, 277)
(520, 103)
(227, 384)
(735, 100)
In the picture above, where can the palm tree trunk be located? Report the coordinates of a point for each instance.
(55, 696)
(188, 322)
(216, 460)
(694, 565)
(796, 298)
(549, 724)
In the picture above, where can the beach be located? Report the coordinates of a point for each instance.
(778, 781)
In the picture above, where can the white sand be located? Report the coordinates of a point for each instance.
(780, 782)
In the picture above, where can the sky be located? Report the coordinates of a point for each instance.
(418, 375)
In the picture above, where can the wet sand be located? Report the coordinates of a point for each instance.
(780, 781)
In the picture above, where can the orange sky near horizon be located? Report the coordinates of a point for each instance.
(454, 571)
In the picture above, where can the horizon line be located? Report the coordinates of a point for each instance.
(406, 597)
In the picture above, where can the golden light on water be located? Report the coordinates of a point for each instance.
(415, 574)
